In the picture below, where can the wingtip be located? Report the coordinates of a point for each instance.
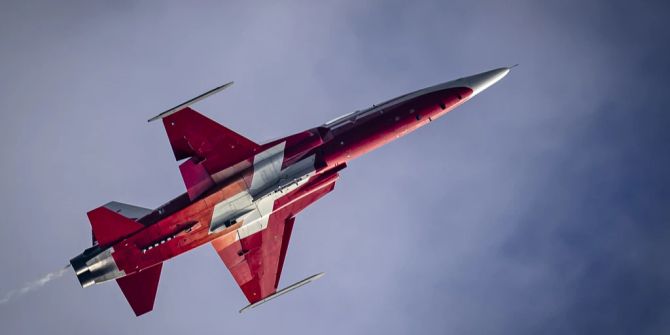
(190, 102)
(283, 291)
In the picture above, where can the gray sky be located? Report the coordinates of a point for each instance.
(541, 206)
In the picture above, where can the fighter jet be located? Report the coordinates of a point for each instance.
(242, 197)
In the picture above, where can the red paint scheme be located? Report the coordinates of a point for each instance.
(140, 288)
(262, 255)
(220, 165)
(382, 127)
(108, 227)
(210, 146)
(196, 178)
(191, 134)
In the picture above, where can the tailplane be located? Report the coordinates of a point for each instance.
(140, 288)
(110, 226)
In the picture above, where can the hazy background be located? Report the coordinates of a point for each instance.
(541, 206)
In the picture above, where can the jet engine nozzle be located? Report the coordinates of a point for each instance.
(94, 266)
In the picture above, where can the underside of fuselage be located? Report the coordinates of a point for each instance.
(236, 207)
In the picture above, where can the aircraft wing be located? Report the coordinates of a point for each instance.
(191, 134)
(256, 261)
(210, 147)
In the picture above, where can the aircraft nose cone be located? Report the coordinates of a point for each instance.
(482, 81)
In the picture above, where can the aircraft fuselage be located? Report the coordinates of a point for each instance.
(284, 175)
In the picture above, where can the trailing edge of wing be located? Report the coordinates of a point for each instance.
(190, 102)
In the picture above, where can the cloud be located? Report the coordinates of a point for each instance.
(539, 206)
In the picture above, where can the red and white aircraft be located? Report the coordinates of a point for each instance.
(243, 197)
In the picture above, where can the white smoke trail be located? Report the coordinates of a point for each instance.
(33, 285)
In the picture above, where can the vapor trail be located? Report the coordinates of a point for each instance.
(33, 285)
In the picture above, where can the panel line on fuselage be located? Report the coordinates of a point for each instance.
(269, 182)
(354, 116)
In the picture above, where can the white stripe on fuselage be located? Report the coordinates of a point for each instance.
(268, 183)
(267, 168)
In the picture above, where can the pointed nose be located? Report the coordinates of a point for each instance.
(484, 80)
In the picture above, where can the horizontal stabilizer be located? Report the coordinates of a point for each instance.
(140, 288)
(109, 226)
(284, 291)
